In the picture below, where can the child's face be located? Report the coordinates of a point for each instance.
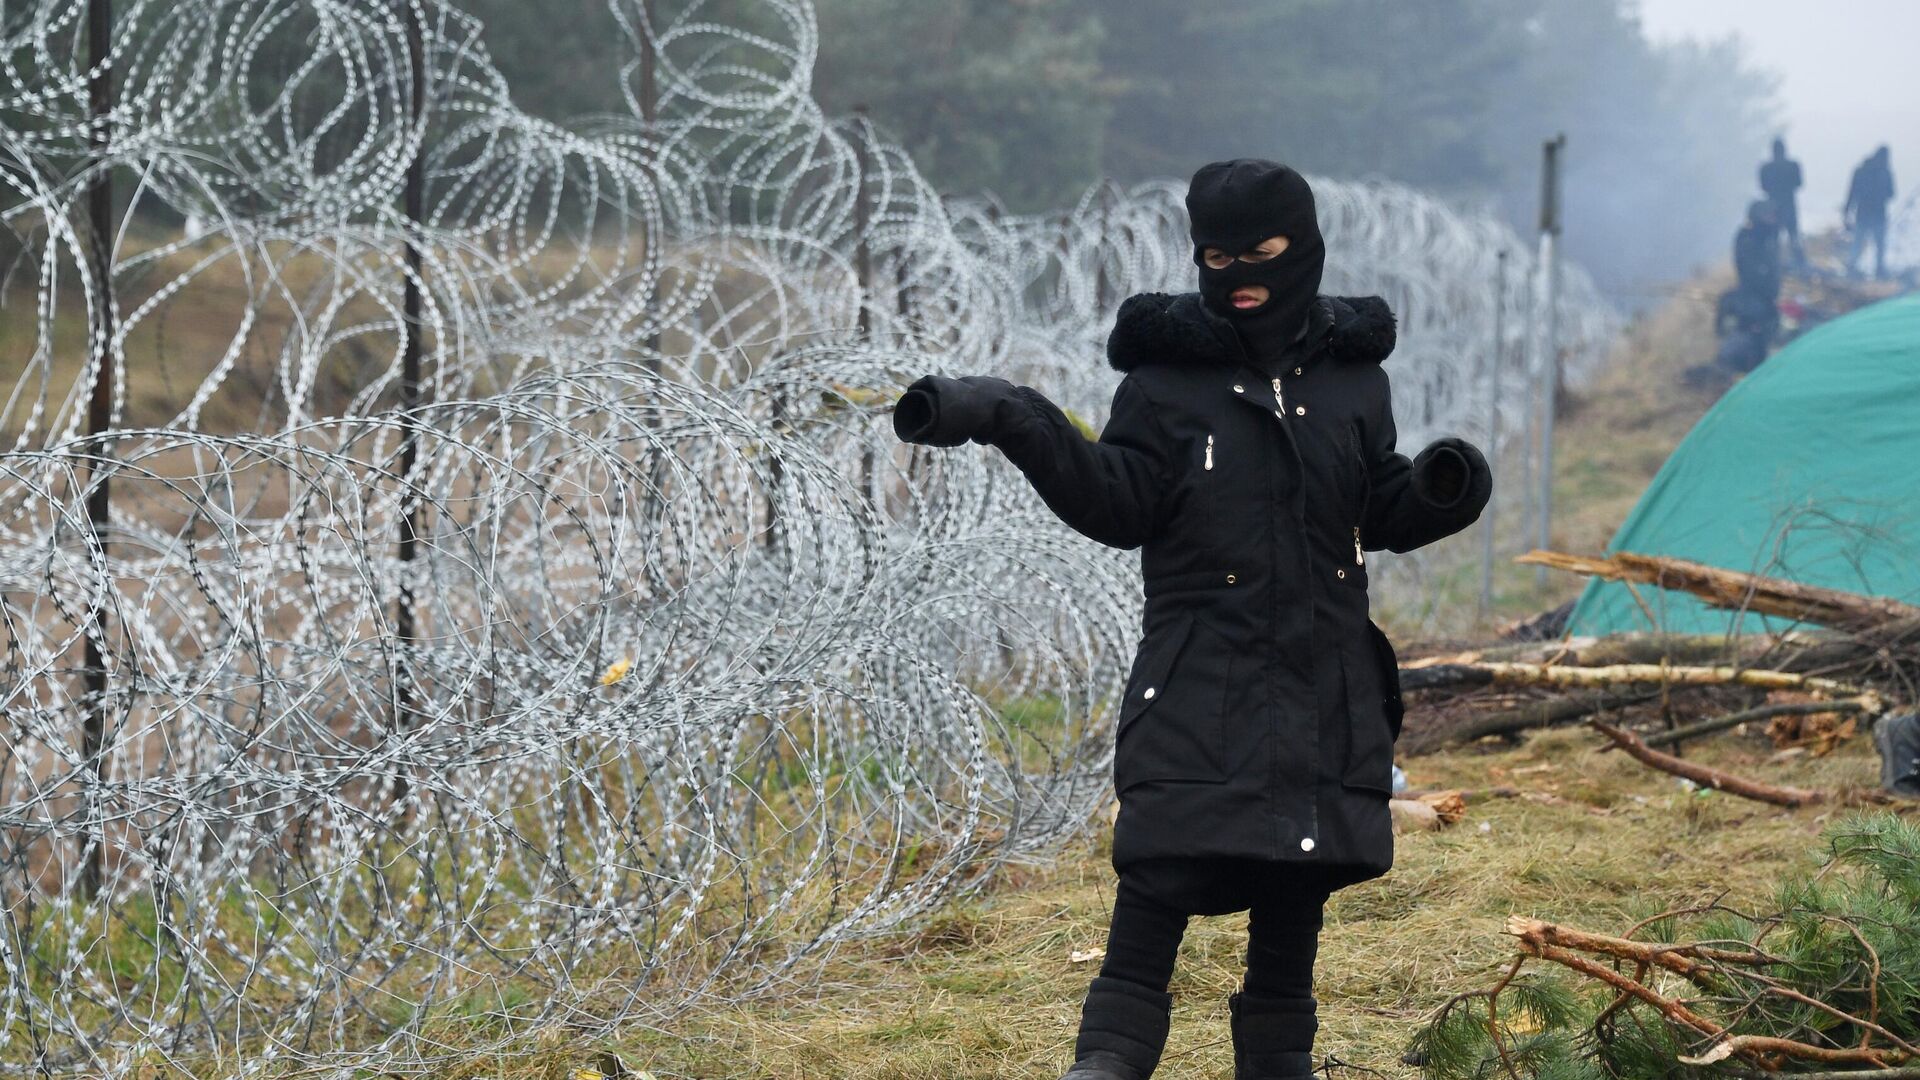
(1246, 297)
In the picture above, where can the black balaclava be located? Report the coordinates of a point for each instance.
(1233, 205)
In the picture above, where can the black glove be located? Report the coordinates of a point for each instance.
(1450, 473)
(941, 411)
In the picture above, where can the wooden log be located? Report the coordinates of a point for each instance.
(1616, 675)
(1881, 648)
(1635, 748)
(1691, 649)
(1532, 715)
(1733, 590)
(1745, 716)
(1626, 648)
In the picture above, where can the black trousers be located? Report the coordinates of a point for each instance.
(1284, 903)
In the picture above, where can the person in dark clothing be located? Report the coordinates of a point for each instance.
(1866, 211)
(1780, 179)
(1748, 317)
(1250, 455)
(1746, 324)
(1756, 252)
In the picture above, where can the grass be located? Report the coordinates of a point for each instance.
(987, 988)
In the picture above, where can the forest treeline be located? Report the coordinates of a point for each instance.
(1033, 100)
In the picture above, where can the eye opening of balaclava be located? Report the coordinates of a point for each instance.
(1233, 206)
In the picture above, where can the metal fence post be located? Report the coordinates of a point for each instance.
(93, 731)
(405, 620)
(1550, 345)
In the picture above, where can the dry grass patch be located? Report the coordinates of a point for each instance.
(987, 988)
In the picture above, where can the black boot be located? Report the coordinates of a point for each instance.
(1123, 1028)
(1272, 1036)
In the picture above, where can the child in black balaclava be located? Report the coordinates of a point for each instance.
(1250, 455)
(1235, 207)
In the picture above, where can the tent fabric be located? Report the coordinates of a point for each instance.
(1808, 469)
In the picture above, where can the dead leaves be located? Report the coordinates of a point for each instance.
(1818, 734)
(1428, 811)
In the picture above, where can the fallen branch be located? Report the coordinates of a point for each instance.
(1520, 674)
(1882, 650)
(1904, 1072)
(1719, 992)
(1733, 590)
(1639, 647)
(1763, 712)
(1563, 946)
(1747, 1046)
(1651, 648)
(1637, 749)
(1672, 1010)
(1534, 714)
(1691, 961)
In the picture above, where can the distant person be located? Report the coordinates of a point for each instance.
(1746, 325)
(1780, 179)
(1756, 252)
(1866, 211)
(1748, 317)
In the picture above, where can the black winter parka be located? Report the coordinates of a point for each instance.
(1261, 709)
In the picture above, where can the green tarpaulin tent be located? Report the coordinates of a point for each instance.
(1808, 469)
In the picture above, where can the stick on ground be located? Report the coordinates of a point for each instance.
(1763, 712)
(1638, 750)
(1521, 674)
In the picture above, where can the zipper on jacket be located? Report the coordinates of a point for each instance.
(1359, 558)
(1278, 400)
(1209, 450)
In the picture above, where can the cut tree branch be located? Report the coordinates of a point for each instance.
(1519, 674)
(1688, 960)
(1904, 1072)
(1534, 714)
(1748, 1045)
(1736, 591)
(1562, 946)
(1637, 749)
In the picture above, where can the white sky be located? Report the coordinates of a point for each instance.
(1850, 81)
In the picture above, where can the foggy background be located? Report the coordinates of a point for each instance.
(1668, 105)
(1849, 81)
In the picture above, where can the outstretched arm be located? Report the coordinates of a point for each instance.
(1108, 490)
(1417, 502)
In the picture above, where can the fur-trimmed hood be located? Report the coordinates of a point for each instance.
(1174, 328)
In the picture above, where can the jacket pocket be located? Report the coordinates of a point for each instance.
(1372, 727)
(1170, 720)
(1389, 665)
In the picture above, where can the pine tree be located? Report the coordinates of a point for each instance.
(1828, 980)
